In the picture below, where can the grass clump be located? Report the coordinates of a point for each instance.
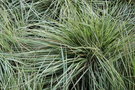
(67, 45)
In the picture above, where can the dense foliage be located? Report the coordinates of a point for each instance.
(67, 45)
